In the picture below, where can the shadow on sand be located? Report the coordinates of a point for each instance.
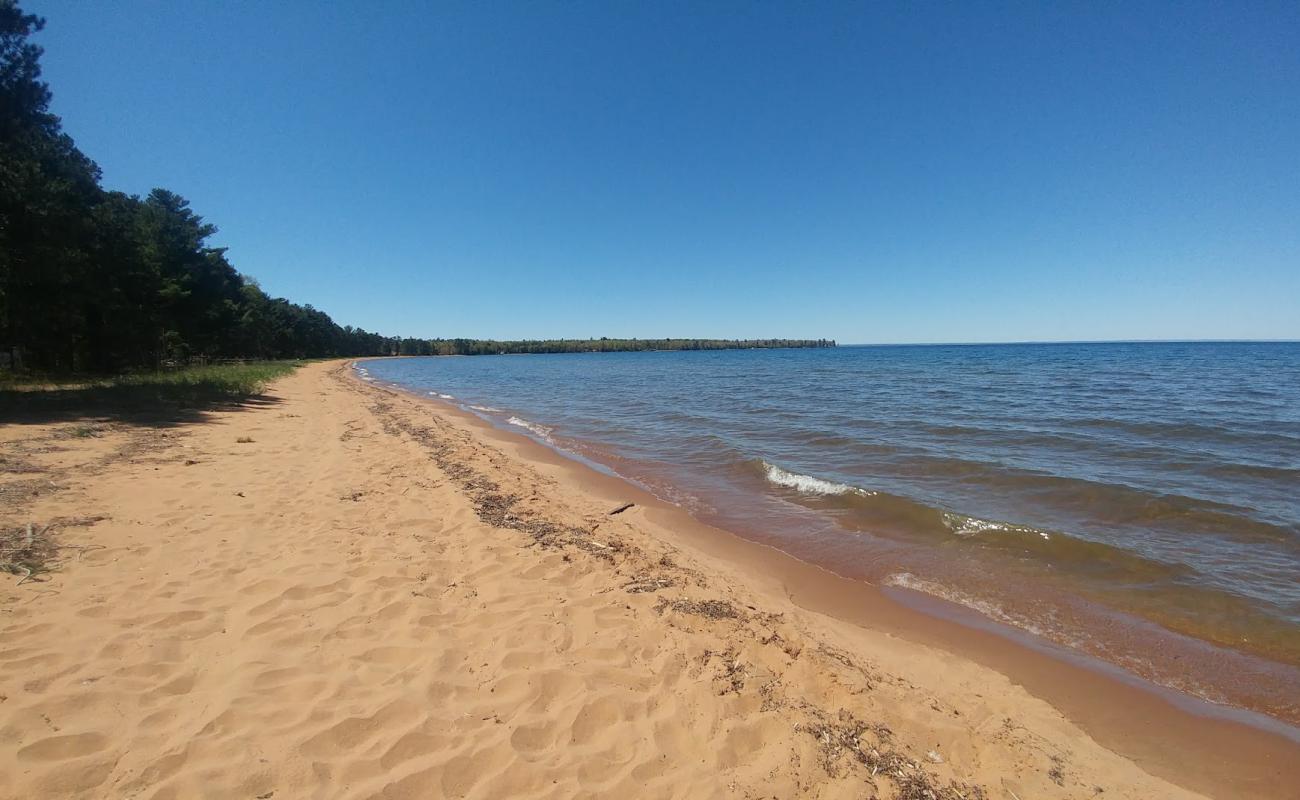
(151, 405)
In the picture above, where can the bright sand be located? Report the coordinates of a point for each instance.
(378, 596)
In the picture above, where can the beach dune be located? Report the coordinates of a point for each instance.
(340, 590)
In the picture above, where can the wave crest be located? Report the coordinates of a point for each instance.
(963, 525)
(533, 427)
(809, 484)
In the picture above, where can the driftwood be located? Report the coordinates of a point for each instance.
(621, 509)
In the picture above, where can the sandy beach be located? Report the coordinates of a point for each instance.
(343, 590)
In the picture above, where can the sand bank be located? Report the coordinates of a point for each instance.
(340, 590)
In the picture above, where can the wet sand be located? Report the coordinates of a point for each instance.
(380, 596)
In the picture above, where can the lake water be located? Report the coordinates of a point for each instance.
(1137, 501)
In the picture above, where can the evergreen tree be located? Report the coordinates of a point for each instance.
(103, 281)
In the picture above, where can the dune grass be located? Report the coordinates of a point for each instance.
(234, 379)
(183, 387)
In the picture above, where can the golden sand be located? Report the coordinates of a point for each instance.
(344, 591)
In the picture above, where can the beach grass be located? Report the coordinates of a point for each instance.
(234, 379)
(182, 387)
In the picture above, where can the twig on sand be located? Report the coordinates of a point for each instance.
(646, 584)
(621, 509)
(29, 552)
(24, 555)
(82, 549)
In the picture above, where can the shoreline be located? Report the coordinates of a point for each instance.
(1216, 665)
(336, 590)
(1114, 705)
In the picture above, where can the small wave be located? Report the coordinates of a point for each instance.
(441, 395)
(809, 484)
(540, 430)
(486, 409)
(963, 525)
(906, 580)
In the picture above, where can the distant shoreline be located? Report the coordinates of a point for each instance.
(485, 347)
(806, 344)
(805, 458)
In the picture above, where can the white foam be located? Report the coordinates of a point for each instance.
(446, 397)
(485, 409)
(540, 430)
(963, 525)
(808, 484)
(906, 580)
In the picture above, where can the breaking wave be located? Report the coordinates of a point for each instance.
(532, 427)
(809, 484)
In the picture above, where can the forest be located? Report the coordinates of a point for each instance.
(93, 280)
(98, 281)
(481, 347)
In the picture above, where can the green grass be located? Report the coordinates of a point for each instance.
(228, 379)
(232, 379)
(184, 387)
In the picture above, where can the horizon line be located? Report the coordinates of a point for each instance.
(858, 344)
(1071, 341)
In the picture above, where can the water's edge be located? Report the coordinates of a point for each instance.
(1141, 649)
(1196, 739)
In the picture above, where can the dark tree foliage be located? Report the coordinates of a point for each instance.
(481, 347)
(47, 186)
(100, 281)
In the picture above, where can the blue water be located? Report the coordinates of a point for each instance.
(1160, 481)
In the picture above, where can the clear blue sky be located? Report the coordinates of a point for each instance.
(862, 171)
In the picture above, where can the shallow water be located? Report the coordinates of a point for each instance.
(1140, 501)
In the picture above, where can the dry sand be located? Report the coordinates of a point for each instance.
(378, 597)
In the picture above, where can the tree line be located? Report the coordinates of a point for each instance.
(98, 280)
(101, 281)
(482, 347)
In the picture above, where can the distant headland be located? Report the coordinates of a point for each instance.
(482, 347)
